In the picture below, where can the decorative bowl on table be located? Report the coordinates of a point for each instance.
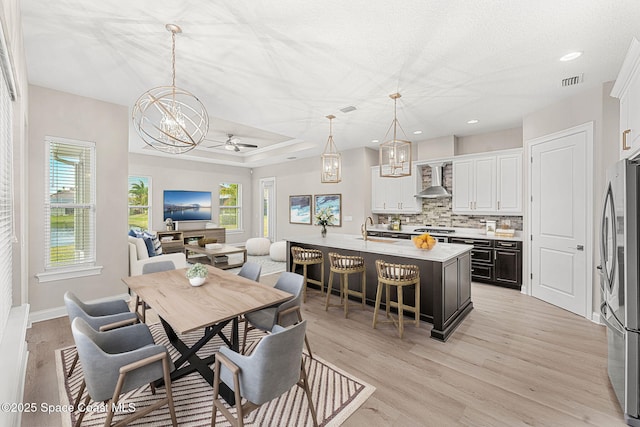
(424, 241)
(197, 274)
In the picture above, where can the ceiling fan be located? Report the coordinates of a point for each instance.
(233, 144)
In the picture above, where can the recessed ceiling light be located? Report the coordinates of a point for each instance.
(571, 56)
(473, 121)
(375, 140)
(417, 132)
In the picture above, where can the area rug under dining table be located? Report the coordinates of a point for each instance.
(336, 393)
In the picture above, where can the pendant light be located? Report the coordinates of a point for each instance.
(170, 119)
(331, 160)
(395, 154)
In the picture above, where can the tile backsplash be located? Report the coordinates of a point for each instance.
(438, 212)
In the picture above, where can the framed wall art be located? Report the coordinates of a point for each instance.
(331, 201)
(300, 209)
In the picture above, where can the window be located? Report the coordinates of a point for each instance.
(70, 204)
(230, 206)
(6, 203)
(139, 206)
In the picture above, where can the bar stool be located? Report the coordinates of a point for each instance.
(345, 265)
(306, 257)
(399, 275)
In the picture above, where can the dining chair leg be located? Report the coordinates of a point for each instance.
(304, 383)
(306, 340)
(81, 416)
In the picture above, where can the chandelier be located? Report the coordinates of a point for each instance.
(168, 118)
(395, 154)
(331, 161)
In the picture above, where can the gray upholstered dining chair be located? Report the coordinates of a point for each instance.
(251, 271)
(100, 316)
(154, 267)
(120, 360)
(272, 369)
(285, 314)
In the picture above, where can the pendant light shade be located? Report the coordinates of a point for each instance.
(168, 118)
(395, 154)
(331, 160)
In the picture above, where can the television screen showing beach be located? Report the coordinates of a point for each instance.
(187, 205)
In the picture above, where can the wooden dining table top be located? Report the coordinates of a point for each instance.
(186, 308)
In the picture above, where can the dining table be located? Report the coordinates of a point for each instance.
(210, 307)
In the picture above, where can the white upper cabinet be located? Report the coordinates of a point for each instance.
(488, 184)
(509, 181)
(395, 195)
(627, 89)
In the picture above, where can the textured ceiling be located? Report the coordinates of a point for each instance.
(270, 71)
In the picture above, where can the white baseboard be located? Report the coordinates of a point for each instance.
(595, 318)
(13, 359)
(54, 313)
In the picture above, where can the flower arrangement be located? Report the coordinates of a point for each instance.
(324, 217)
(197, 270)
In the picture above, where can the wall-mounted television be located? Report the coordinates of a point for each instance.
(180, 205)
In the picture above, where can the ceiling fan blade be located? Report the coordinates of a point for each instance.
(241, 144)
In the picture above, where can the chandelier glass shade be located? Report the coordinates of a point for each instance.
(168, 118)
(331, 159)
(395, 154)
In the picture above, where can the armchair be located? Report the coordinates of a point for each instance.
(100, 316)
(285, 314)
(139, 257)
(118, 361)
(271, 370)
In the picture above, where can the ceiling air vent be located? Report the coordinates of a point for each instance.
(348, 109)
(575, 80)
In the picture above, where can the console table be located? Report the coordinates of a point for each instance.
(174, 241)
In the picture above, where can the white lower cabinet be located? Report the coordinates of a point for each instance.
(488, 184)
(394, 195)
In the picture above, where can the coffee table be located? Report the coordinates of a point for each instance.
(211, 254)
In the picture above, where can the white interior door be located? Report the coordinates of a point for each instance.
(560, 206)
(268, 208)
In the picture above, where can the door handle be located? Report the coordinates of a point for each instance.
(580, 247)
(624, 139)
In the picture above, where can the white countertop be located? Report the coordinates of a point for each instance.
(402, 248)
(468, 233)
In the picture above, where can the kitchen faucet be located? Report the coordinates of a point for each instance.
(363, 227)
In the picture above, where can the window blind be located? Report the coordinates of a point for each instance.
(70, 204)
(6, 202)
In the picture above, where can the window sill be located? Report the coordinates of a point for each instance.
(68, 273)
(236, 231)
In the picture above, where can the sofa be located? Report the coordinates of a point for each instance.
(139, 257)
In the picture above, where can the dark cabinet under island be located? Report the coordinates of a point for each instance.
(445, 274)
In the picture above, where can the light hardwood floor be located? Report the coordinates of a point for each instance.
(515, 360)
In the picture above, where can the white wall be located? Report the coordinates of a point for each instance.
(594, 105)
(302, 176)
(54, 113)
(177, 174)
(490, 141)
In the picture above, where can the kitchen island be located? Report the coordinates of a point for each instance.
(445, 273)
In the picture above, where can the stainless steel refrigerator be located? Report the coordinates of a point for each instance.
(620, 307)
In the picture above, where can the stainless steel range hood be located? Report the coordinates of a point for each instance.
(436, 190)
